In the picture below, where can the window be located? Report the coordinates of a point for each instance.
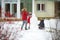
(10, 10)
(41, 7)
(21, 6)
(7, 7)
(38, 6)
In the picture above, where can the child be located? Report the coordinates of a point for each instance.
(41, 24)
(28, 19)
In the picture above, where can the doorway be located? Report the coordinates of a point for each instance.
(57, 9)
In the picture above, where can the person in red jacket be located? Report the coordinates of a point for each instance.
(28, 19)
(24, 14)
(7, 14)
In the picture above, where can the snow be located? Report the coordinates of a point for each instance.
(33, 33)
(50, 24)
(58, 24)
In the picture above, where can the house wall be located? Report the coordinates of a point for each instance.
(49, 9)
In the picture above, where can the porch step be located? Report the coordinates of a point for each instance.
(10, 19)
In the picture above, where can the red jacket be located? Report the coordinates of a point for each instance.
(24, 15)
(28, 19)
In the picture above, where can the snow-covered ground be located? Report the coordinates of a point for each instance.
(33, 33)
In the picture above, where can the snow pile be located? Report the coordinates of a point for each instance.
(36, 35)
(34, 22)
(26, 34)
(46, 22)
(50, 24)
(53, 23)
(10, 30)
(58, 24)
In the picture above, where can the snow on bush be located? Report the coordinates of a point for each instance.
(7, 32)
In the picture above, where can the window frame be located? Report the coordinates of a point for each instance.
(41, 7)
(10, 8)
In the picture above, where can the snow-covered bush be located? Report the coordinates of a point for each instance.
(7, 33)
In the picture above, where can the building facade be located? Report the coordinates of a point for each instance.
(41, 8)
(47, 8)
(14, 7)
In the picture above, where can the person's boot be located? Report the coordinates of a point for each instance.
(25, 28)
(28, 27)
